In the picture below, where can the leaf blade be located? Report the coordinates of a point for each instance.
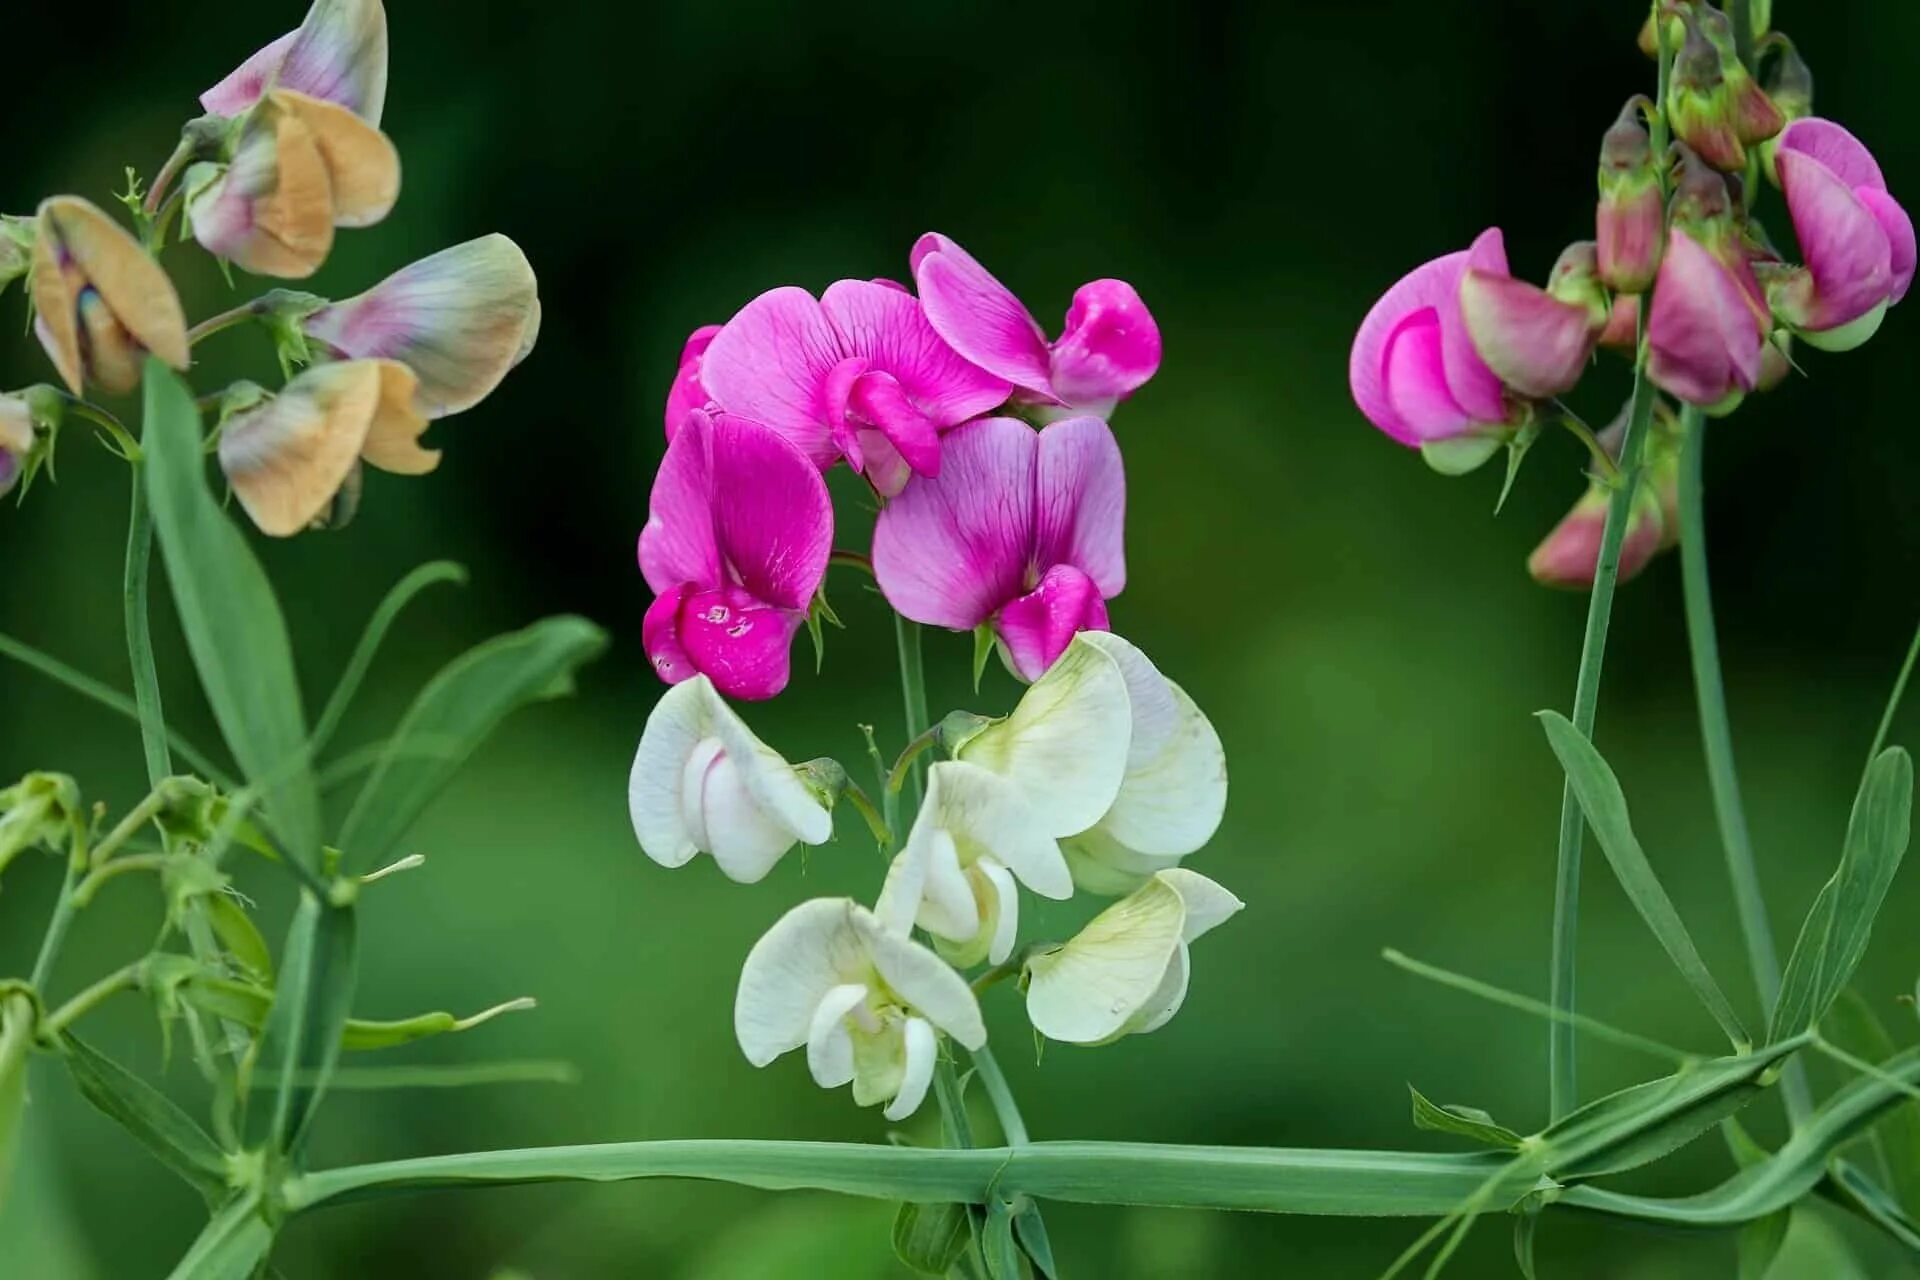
(1435, 1118)
(301, 1039)
(379, 623)
(149, 1116)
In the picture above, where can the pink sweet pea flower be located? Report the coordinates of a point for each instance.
(857, 373)
(1022, 529)
(1703, 339)
(738, 532)
(338, 54)
(688, 392)
(1857, 241)
(1110, 347)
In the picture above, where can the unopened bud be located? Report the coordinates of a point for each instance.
(1755, 117)
(1673, 11)
(1569, 556)
(1630, 220)
(41, 809)
(1700, 102)
(1789, 83)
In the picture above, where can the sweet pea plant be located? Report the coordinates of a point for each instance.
(1001, 495)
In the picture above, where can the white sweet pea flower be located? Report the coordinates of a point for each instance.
(866, 1002)
(1126, 972)
(975, 835)
(1175, 789)
(702, 782)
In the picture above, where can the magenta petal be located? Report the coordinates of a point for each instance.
(772, 518)
(952, 549)
(246, 82)
(742, 644)
(1037, 627)
(884, 468)
(660, 636)
(978, 316)
(878, 398)
(1110, 348)
(1898, 225)
(1414, 377)
(678, 544)
(1703, 343)
(1474, 385)
(1838, 150)
(834, 394)
(1080, 503)
(1844, 244)
(688, 392)
(1535, 343)
(888, 327)
(1426, 288)
(770, 363)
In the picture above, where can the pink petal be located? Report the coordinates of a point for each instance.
(1839, 151)
(1414, 378)
(878, 398)
(770, 363)
(1427, 288)
(952, 549)
(742, 644)
(978, 316)
(888, 327)
(1845, 247)
(1110, 348)
(246, 82)
(1474, 385)
(883, 467)
(1702, 341)
(1900, 239)
(1037, 627)
(678, 543)
(688, 392)
(1535, 343)
(772, 518)
(660, 636)
(339, 54)
(1080, 503)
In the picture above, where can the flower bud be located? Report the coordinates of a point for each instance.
(1789, 82)
(16, 441)
(1755, 117)
(299, 167)
(1569, 555)
(1672, 11)
(1630, 220)
(338, 54)
(101, 302)
(460, 319)
(42, 809)
(1700, 104)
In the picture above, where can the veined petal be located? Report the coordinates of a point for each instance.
(951, 549)
(1036, 628)
(1110, 348)
(766, 776)
(246, 82)
(1533, 342)
(772, 517)
(1844, 244)
(1382, 375)
(829, 1046)
(978, 316)
(1473, 382)
(1003, 917)
(889, 329)
(988, 816)
(1415, 382)
(815, 947)
(1898, 226)
(287, 458)
(879, 398)
(746, 839)
(1702, 341)
(1080, 504)
(1836, 149)
(678, 544)
(458, 319)
(1087, 991)
(688, 391)
(927, 984)
(947, 907)
(339, 55)
(393, 441)
(921, 1049)
(363, 168)
(1175, 789)
(1159, 1008)
(770, 363)
(1065, 744)
(77, 246)
(1102, 865)
(677, 724)
(1208, 905)
(270, 211)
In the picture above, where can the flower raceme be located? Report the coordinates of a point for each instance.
(1109, 349)
(338, 54)
(857, 373)
(738, 533)
(1022, 530)
(100, 301)
(867, 1004)
(703, 783)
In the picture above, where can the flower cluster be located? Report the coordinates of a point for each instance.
(1460, 360)
(290, 151)
(1002, 499)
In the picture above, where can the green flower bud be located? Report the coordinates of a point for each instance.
(1701, 105)
(42, 809)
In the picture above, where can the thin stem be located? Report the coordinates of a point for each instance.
(913, 690)
(852, 560)
(117, 430)
(1716, 733)
(90, 887)
(63, 909)
(129, 826)
(897, 776)
(225, 320)
(124, 979)
(1005, 1109)
(1603, 462)
(1894, 700)
(183, 151)
(146, 678)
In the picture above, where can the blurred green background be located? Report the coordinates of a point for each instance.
(1362, 631)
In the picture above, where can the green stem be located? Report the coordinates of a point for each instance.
(125, 979)
(1710, 689)
(1893, 701)
(146, 679)
(63, 908)
(1012, 1125)
(224, 320)
(90, 887)
(913, 691)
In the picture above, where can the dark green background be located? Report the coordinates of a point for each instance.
(1362, 631)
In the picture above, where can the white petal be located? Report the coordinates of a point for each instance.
(812, 949)
(1100, 864)
(1166, 1000)
(706, 754)
(745, 839)
(900, 894)
(1088, 990)
(947, 905)
(1207, 903)
(1066, 742)
(1175, 789)
(989, 816)
(922, 1049)
(923, 981)
(1004, 915)
(768, 777)
(675, 727)
(829, 1046)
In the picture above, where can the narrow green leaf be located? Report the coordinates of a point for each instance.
(451, 1075)
(232, 621)
(1865, 1196)
(1852, 1025)
(384, 615)
(251, 1006)
(1031, 1228)
(1465, 1122)
(997, 1246)
(1758, 1242)
(1835, 935)
(233, 1245)
(929, 1238)
(1526, 1225)
(1605, 805)
(301, 1039)
(462, 706)
(153, 1119)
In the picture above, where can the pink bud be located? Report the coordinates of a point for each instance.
(1110, 348)
(1570, 555)
(1703, 341)
(1630, 222)
(1700, 105)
